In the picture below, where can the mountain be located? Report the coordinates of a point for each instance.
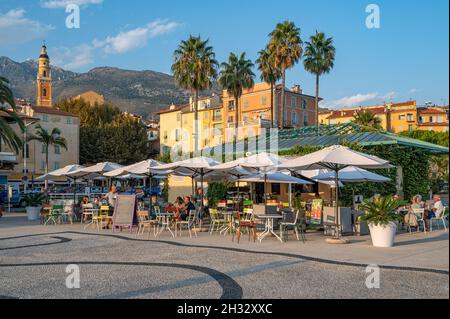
(139, 92)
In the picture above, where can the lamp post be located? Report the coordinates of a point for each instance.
(25, 182)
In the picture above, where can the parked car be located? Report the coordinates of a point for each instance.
(16, 199)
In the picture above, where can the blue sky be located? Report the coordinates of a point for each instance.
(407, 57)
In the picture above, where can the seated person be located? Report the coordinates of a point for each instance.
(188, 208)
(436, 208)
(179, 208)
(155, 206)
(417, 202)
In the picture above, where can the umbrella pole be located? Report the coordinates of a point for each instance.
(336, 208)
(265, 191)
(150, 175)
(74, 194)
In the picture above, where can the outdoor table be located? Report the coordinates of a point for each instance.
(228, 216)
(165, 223)
(269, 226)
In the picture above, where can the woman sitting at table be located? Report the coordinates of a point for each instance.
(417, 202)
(179, 207)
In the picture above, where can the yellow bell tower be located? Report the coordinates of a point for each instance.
(44, 80)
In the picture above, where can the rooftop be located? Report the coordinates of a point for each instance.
(328, 135)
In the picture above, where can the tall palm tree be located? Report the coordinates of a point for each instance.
(194, 69)
(8, 107)
(319, 59)
(270, 73)
(48, 139)
(286, 47)
(236, 75)
(368, 120)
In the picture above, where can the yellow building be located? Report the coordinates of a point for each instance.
(395, 117)
(217, 121)
(433, 119)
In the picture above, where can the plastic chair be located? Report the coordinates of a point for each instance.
(296, 224)
(215, 221)
(420, 213)
(245, 222)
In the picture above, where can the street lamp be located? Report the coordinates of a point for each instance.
(25, 180)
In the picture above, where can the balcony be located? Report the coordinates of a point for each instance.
(260, 123)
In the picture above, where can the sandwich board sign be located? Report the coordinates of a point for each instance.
(125, 212)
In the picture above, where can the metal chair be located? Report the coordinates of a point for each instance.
(188, 223)
(292, 221)
(440, 217)
(420, 213)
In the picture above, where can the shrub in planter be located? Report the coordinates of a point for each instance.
(33, 204)
(381, 218)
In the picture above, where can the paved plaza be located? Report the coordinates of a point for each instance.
(33, 261)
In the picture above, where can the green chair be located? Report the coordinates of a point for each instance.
(55, 215)
(216, 221)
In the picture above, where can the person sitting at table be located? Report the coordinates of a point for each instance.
(179, 208)
(188, 208)
(111, 197)
(417, 202)
(432, 212)
(155, 207)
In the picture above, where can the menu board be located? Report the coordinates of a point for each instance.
(124, 211)
(316, 212)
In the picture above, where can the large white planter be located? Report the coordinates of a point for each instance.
(383, 235)
(33, 212)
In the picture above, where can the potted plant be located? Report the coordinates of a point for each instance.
(381, 218)
(33, 204)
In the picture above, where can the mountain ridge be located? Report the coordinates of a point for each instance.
(141, 92)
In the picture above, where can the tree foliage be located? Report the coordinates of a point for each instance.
(107, 134)
(439, 164)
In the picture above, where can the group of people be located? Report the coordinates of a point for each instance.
(431, 210)
(184, 206)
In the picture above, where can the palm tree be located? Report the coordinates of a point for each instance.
(48, 139)
(8, 107)
(286, 47)
(319, 59)
(194, 69)
(236, 76)
(270, 74)
(368, 120)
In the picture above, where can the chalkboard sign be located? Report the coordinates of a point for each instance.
(124, 212)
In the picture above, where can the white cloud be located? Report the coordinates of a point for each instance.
(73, 58)
(413, 91)
(61, 4)
(83, 55)
(358, 100)
(136, 38)
(16, 28)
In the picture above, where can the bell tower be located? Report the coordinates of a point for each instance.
(44, 80)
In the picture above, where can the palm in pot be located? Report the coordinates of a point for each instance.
(380, 215)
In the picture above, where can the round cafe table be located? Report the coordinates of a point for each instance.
(269, 226)
(164, 219)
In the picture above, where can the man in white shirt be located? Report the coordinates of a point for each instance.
(437, 208)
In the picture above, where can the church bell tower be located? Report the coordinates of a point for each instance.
(44, 80)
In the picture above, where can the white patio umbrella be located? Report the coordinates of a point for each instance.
(335, 158)
(354, 175)
(72, 172)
